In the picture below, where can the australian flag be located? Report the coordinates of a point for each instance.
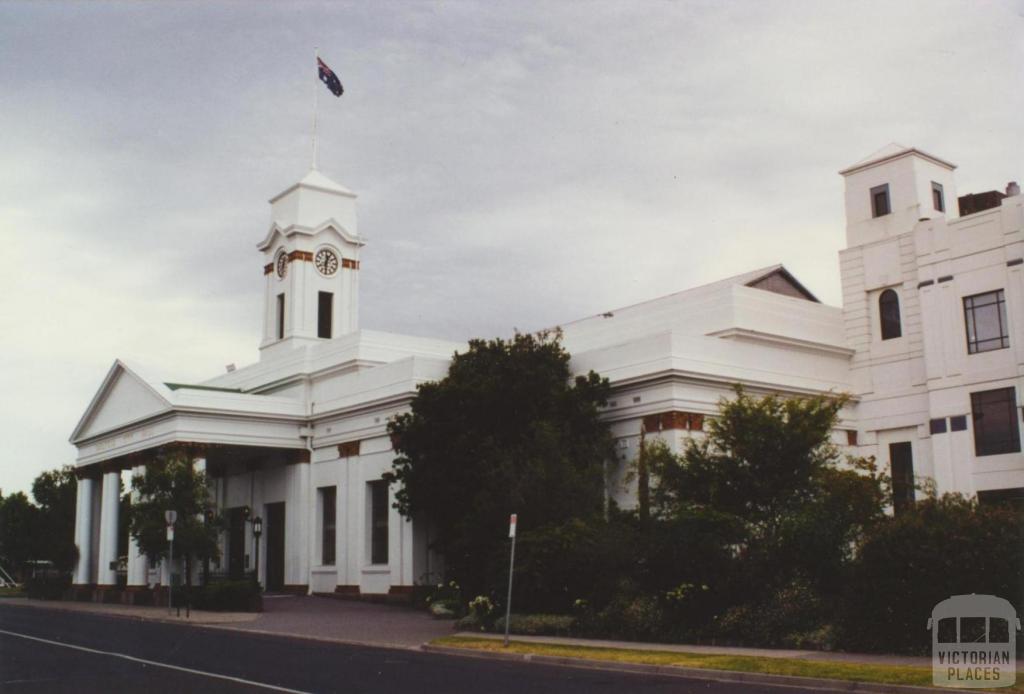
(328, 77)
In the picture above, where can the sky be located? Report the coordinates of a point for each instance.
(518, 164)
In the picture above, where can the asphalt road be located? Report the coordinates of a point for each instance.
(57, 651)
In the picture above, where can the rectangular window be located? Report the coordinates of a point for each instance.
(325, 310)
(1011, 498)
(958, 423)
(280, 316)
(901, 461)
(937, 426)
(880, 200)
(938, 198)
(996, 429)
(378, 497)
(328, 527)
(985, 316)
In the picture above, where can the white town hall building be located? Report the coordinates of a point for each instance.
(929, 341)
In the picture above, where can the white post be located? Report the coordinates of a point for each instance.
(511, 566)
(107, 576)
(138, 565)
(83, 530)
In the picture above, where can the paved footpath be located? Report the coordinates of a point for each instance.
(346, 621)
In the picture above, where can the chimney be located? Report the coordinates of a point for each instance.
(1012, 188)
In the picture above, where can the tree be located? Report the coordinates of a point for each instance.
(508, 430)
(936, 548)
(19, 523)
(174, 484)
(55, 493)
(768, 475)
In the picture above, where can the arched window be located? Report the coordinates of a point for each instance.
(889, 314)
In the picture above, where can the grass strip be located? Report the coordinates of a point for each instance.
(824, 669)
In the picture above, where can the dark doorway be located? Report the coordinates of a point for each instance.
(274, 528)
(236, 543)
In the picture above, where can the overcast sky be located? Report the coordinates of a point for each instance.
(518, 164)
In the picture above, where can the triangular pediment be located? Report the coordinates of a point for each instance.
(123, 398)
(780, 281)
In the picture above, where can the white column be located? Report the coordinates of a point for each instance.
(107, 576)
(138, 565)
(83, 530)
(296, 527)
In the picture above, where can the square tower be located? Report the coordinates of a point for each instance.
(311, 265)
(891, 190)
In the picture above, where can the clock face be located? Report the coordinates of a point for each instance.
(326, 262)
(282, 265)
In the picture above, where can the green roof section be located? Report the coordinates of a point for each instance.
(188, 386)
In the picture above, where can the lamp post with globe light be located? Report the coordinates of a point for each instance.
(257, 530)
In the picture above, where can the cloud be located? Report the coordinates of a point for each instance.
(518, 165)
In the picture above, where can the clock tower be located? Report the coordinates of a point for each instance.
(311, 265)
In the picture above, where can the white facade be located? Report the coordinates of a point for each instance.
(917, 388)
(303, 431)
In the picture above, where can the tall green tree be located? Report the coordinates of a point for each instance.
(172, 483)
(19, 524)
(55, 493)
(509, 430)
(768, 471)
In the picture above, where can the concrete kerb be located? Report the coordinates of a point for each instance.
(809, 683)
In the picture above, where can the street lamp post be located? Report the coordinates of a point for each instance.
(257, 530)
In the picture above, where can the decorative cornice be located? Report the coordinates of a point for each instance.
(293, 229)
(897, 155)
(758, 336)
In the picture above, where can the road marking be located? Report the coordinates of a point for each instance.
(156, 663)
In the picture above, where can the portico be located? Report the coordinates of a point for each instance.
(133, 422)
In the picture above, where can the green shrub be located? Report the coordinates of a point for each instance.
(631, 616)
(538, 624)
(49, 585)
(557, 565)
(937, 548)
(470, 623)
(789, 617)
(222, 596)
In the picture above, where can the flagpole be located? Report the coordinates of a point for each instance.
(316, 90)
